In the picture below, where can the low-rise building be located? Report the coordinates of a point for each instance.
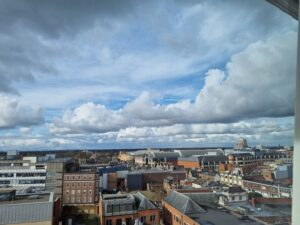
(30, 209)
(203, 162)
(233, 196)
(231, 179)
(126, 209)
(156, 158)
(267, 189)
(55, 175)
(81, 188)
(25, 172)
(139, 180)
(186, 209)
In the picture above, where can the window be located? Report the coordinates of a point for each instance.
(72, 199)
(78, 177)
(129, 207)
(123, 208)
(108, 222)
(78, 191)
(143, 219)
(79, 185)
(73, 177)
(109, 208)
(67, 177)
(67, 192)
(119, 222)
(152, 218)
(128, 221)
(116, 208)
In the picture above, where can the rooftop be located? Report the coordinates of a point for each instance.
(216, 216)
(183, 203)
(33, 198)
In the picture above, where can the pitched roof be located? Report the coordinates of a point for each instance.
(183, 203)
(188, 153)
(143, 203)
(165, 154)
(212, 158)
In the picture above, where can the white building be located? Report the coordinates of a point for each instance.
(233, 196)
(26, 172)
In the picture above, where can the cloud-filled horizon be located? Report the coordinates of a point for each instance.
(109, 74)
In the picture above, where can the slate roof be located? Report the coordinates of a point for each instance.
(212, 158)
(188, 153)
(143, 203)
(235, 190)
(183, 203)
(165, 154)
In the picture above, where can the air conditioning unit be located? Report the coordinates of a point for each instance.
(123, 223)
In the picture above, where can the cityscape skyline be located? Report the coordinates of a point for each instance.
(158, 74)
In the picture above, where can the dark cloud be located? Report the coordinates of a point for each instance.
(13, 114)
(59, 17)
(26, 24)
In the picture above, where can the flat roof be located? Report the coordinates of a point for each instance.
(216, 216)
(27, 199)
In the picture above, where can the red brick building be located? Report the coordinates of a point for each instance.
(124, 209)
(80, 188)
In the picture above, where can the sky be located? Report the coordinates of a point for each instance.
(83, 74)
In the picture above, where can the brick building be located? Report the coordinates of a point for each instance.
(80, 188)
(125, 209)
(186, 209)
(247, 162)
(152, 177)
(267, 189)
(204, 162)
(156, 158)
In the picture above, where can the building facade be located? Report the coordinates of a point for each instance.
(80, 188)
(127, 209)
(25, 172)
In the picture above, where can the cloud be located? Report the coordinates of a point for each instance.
(257, 82)
(13, 113)
(45, 42)
(101, 67)
(88, 117)
(25, 130)
(255, 130)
